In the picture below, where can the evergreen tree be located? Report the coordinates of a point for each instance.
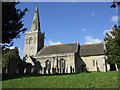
(115, 4)
(112, 40)
(11, 22)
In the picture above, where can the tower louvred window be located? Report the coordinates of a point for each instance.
(30, 40)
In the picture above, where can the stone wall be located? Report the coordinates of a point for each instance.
(58, 63)
(55, 60)
(96, 63)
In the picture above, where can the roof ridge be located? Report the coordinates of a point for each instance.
(92, 44)
(60, 44)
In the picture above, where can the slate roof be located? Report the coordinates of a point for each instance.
(60, 48)
(92, 49)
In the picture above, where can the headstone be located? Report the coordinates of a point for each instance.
(70, 69)
(45, 70)
(49, 71)
(32, 69)
(4, 70)
(12, 67)
(53, 70)
(63, 70)
(42, 70)
(60, 70)
(67, 70)
(37, 67)
(21, 67)
(28, 68)
(73, 70)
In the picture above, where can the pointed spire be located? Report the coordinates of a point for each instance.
(36, 20)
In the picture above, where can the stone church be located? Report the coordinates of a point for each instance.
(62, 58)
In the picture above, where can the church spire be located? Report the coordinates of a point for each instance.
(36, 20)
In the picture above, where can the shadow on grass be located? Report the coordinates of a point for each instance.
(8, 76)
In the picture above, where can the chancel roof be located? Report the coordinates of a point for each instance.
(92, 49)
(60, 48)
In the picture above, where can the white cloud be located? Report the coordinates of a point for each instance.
(12, 47)
(115, 19)
(83, 29)
(50, 42)
(92, 13)
(90, 39)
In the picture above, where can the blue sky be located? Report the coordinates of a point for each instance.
(69, 22)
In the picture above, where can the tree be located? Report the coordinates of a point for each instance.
(115, 4)
(9, 54)
(11, 22)
(112, 40)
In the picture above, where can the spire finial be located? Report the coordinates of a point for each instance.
(37, 3)
(36, 6)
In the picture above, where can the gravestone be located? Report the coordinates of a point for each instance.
(5, 70)
(70, 69)
(28, 68)
(12, 67)
(42, 70)
(67, 70)
(45, 69)
(21, 67)
(32, 69)
(53, 70)
(48, 71)
(37, 67)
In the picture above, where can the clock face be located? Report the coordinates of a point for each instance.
(30, 47)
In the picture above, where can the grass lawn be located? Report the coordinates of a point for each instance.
(82, 80)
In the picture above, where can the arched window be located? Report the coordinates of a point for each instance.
(62, 63)
(48, 64)
(30, 40)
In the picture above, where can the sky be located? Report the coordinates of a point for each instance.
(69, 22)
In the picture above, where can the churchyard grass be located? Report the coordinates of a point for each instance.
(82, 80)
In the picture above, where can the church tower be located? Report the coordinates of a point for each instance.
(34, 39)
